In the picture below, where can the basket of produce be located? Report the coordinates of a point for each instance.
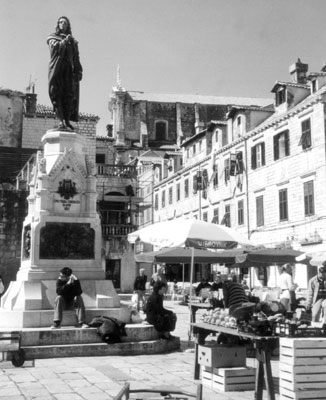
(292, 329)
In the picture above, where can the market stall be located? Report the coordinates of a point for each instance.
(263, 345)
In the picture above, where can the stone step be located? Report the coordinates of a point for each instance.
(102, 349)
(78, 336)
(44, 318)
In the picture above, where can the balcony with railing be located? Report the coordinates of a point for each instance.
(116, 230)
(116, 170)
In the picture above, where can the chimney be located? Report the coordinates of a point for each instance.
(298, 71)
(30, 103)
(199, 125)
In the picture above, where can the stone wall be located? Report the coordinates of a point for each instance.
(34, 129)
(13, 209)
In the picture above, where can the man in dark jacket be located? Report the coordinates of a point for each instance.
(68, 296)
(140, 289)
(317, 294)
(162, 319)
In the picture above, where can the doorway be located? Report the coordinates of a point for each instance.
(113, 272)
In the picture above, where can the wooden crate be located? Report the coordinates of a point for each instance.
(229, 379)
(303, 351)
(302, 369)
(207, 376)
(302, 395)
(222, 356)
(302, 377)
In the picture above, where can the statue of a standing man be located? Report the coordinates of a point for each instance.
(65, 72)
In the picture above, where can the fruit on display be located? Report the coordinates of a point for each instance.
(220, 317)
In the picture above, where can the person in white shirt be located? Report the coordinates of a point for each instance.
(287, 286)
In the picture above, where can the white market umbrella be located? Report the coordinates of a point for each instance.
(190, 233)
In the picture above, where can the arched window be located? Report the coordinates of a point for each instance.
(161, 130)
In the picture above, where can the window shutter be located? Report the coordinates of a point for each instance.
(287, 143)
(205, 179)
(253, 157)
(214, 177)
(233, 165)
(194, 184)
(263, 153)
(239, 159)
(227, 170)
(276, 152)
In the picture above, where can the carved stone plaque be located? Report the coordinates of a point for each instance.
(71, 241)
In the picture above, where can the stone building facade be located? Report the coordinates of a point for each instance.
(261, 171)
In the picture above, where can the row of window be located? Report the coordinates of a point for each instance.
(309, 207)
(309, 204)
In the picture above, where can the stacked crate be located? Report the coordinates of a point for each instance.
(229, 379)
(302, 368)
(224, 368)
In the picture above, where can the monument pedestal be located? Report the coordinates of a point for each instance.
(62, 229)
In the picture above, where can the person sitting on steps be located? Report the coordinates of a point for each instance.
(69, 292)
(163, 320)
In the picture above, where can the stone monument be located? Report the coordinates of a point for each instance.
(62, 228)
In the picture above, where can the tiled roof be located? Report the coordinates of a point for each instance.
(200, 99)
(250, 108)
(194, 137)
(173, 153)
(314, 74)
(219, 122)
(293, 84)
(281, 117)
(152, 154)
(47, 111)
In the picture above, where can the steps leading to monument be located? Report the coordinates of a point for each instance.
(76, 342)
(78, 336)
(102, 349)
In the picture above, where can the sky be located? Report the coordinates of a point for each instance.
(207, 47)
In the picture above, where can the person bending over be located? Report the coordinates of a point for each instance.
(69, 292)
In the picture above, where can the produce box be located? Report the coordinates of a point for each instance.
(302, 368)
(222, 356)
(229, 379)
(302, 395)
(293, 330)
(303, 351)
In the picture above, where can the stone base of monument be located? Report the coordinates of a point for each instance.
(28, 304)
(40, 343)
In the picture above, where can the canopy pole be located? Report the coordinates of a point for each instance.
(190, 291)
(191, 271)
(183, 277)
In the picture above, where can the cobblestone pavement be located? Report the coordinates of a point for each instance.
(99, 378)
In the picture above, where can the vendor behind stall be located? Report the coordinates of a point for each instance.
(204, 284)
(217, 285)
(287, 287)
(234, 294)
